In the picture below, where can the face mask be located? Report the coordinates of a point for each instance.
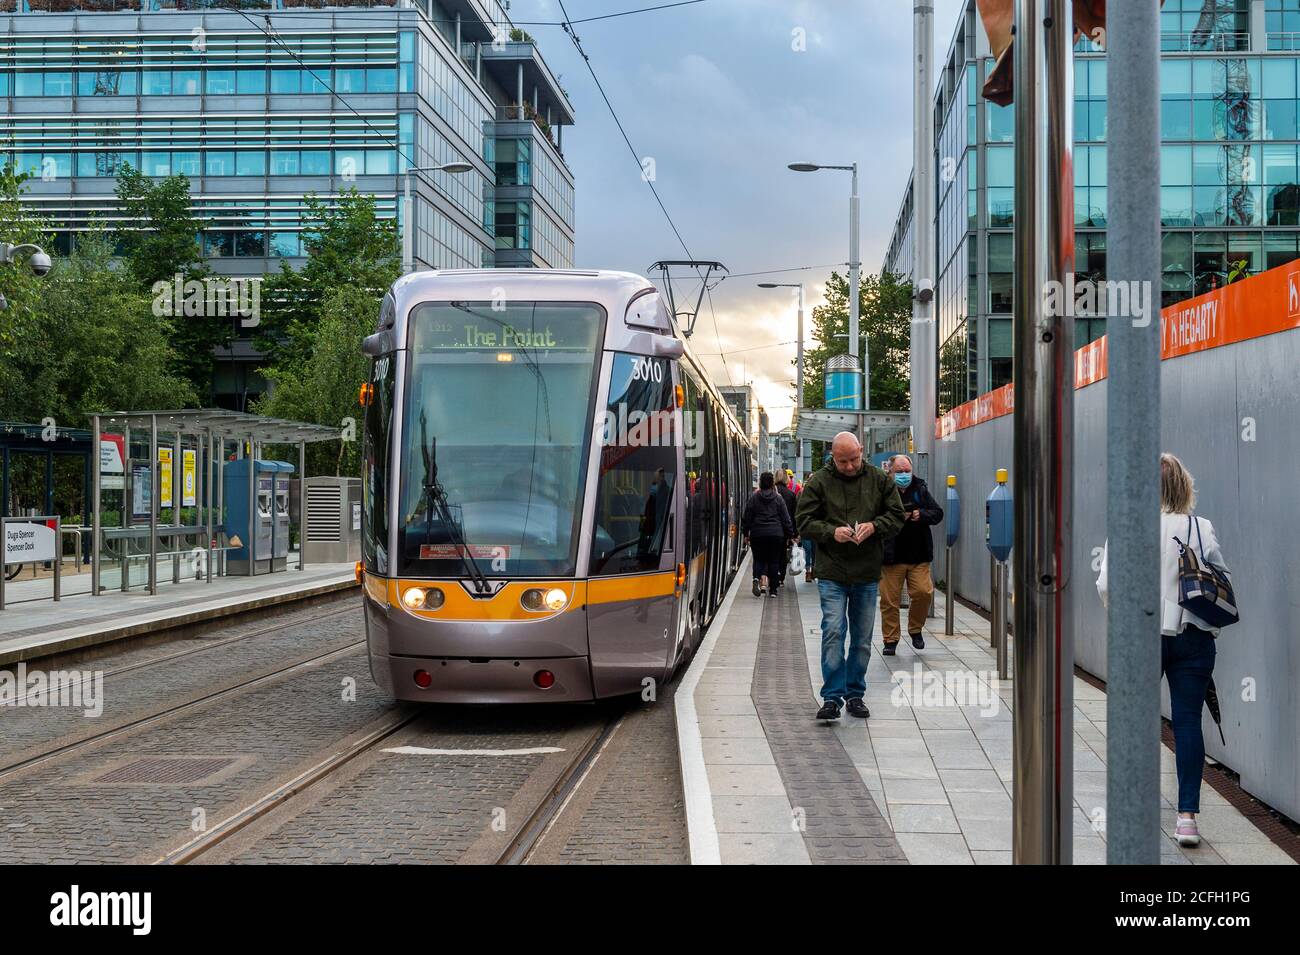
(903, 480)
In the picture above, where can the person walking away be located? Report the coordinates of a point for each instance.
(809, 548)
(787, 495)
(766, 525)
(907, 559)
(848, 508)
(1187, 648)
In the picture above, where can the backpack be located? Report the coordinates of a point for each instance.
(1203, 589)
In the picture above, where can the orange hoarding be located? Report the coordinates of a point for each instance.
(1264, 304)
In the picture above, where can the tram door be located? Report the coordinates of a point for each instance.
(631, 586)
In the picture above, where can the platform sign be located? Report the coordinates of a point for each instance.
(112, 462)
(27, 542)
(165, 477)
(188, 477)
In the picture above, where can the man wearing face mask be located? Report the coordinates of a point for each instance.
(907, 559)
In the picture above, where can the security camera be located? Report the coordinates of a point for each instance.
(40, 264)
(924, 291)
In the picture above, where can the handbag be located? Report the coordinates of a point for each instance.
(1203, 589)
(797, 563)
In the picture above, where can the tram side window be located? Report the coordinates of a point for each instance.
(376, 466)
(638, 468)
(694, 435)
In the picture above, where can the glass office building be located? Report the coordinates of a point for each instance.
(263, 105)
(1230, 193)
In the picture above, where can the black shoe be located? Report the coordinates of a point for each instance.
(891, 649)
(773, 593)
(857, 708)
(757, 591)
(918, 641)
(830, 711)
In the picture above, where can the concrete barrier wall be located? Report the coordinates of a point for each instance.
(1232, 414)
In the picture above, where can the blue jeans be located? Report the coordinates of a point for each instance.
(850, 607)
(809, 553)
(1187, 661)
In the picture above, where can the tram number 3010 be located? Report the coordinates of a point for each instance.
(648, 369)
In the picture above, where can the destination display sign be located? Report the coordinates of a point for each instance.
(439, 327)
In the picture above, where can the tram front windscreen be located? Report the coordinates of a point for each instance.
(497, 425)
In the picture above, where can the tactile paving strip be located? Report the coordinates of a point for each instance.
(841, 822)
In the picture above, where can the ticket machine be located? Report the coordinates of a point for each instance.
(262, 529)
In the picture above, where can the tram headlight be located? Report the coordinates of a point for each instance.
(422, 598)
(539, 600)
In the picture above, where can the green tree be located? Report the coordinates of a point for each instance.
(162, 240)
(351, 248)
(324, 388)
(159, 244)
(21, 289)
(95, 344)
(885, 319)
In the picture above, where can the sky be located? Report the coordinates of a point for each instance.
(719, 98)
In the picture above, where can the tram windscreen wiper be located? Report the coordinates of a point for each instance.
(436, 499)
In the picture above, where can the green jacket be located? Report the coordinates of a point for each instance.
(830, 500)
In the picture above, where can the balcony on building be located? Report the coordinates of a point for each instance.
(532, 92)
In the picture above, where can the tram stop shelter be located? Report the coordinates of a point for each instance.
(140, 451)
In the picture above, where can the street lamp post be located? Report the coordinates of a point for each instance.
(855, 266)
(798, 370)
(408, 230)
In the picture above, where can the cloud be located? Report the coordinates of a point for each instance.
(717, 96)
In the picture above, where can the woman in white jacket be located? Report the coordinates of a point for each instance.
(1187, 642)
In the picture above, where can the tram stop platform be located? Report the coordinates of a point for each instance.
(33, 625)
(925, 780)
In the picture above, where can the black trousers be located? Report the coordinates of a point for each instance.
(768, 552)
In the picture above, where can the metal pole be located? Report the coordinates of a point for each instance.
(408, 259)
(94, 506)
(211, 478)
(996, 625)
(178, 497)
(128, 515)
(221, 502)
(155, 492)
(252, 508)
(58, 558)
(949, 590)
(922, 337)
(1004, 582)
(798, 402)
(855, 267)
(1132, 418)
(1043, 372)
(302, 505)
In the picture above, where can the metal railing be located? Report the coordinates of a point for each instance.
(1205, 42)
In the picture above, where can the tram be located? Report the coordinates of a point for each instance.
(551, 488)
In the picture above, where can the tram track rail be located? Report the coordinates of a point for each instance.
(520, 849)
(15, 767)
(202, 648)
(281, 794)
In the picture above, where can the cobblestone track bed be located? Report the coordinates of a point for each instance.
(630, 808)
(26, 731)
(842, 822)
(57, 813)
(408, 808)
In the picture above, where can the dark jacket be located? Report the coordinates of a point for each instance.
(915, 542)
(830, 500)
(787, 495)
(766, 516)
